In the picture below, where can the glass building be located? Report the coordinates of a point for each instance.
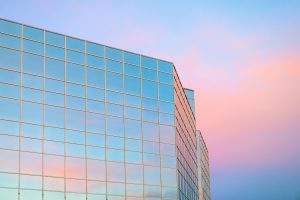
(203, 168)
(84, 121)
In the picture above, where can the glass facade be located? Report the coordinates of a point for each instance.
(203, 168)
(80, 120)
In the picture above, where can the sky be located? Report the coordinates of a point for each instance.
(241, 57)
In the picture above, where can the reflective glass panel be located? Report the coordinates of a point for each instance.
(95, 122)
(9, 161)
(134, 173)
(77, 137)
(165, 78)
(115, 172)
(9, 90)
(114, 126)
(75, 57)
(33, 47)
(149, 74)
(75, 73)
(28, 109)
(95, 49)
(54, 99)
(76, 44)
(94, 93)
(55, 39)
(9, 76)
(75, 119)
(55, 52)
(95, 106)
(151, 159)
(134, 145)
(151, 175)
(32, 95)
(10, 109)
(8, 127)
(150, 116)
(33, 33)
(133, 129)
(94, 61)
(132, 70)
(54, 69)
(166, 92)
(132, 101)
(148, 62)
(132, 85)
(10, 59)
(113, 109)
(165, 66)
(115, 155)
(75, 168)
(54, 86)
(131, 58)
(114, 97)
(33, 131)
(114, 81)
(95, 139)
(55, 134)
(149, 89)
(113, 53)
(95, 169)
(75, 90)
(10, 41)
(114, 66)
(95, 77)
(10, 27)
(150, 131)
(33, 64)
(167, 134)
(150, 104)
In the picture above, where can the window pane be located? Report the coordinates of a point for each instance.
(10, 59)
(73, 185)
(94, 93)
(134, 173)
(54, 165)
(114, 97)
(9, 90)
(167, 134)
(55, 39)
(54, 148)
(133, 145)
(95, 49)
(148, 62)
(54, 99)
(10, 41)
(150, 104)
(151, 147)
(95, 123)
(114, 54)
(10, 27)
(151, 159)
(150, 131)
(95, 139)
(115, 172)
(150, 116)
(33, 131)
(55, 134)
(166, 107)
(95, 77)
(166, 92)
(133, 101)
(75, 168)
(9, 161)
(133, 129)
(75, 102)
(169, 192)
(149, 89)
(95, 106)
(75, 119)
(113, 109)
(132, 85)
(94, 61)
(134, 157)
(75, 137)
(10, 128)
(75, 57)
(131, 58)
(114, 66)
(28, 109)
(33, 145)
(149, 74)
(115, 155)
(54, 195)
(32, 95)
(30, 182)
(9, 76)
(168, 177)
(76, 44)
(54, 86)
(167, 149)
(31, 163)
(152, 175)
(133, 113)
(55, 52)
(75, 90)
(8, 194)
(75, 73)
(9, 142)
(132, 70)
(165, 66)
(165, 78)
(33, 47)
(96, 187)
(115, 142)
(30, 195)
(96, 170)
(10, 109)
(95, 152)
(115, 189)
(168, 161)
(33, 64)
(33, 33)
(32, 81)
(75, 150)
(114, 126)
(54, 116)
(51, 183)
(114, 81)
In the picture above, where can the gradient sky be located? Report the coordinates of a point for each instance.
(242, 58)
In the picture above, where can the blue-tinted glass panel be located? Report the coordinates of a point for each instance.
(166, 92)
(55, 39)
(33, 33)
(95, 77)
(165, 66)
(75, 102)
(75, 150)
(33, 131)
(55, 134)
(95, 93)
(32, 95)
(112, 109)
(168, 177)
(75, 119)
(33, 64)
(8, 127)
(75, 73)
(10, 27)
(114, 126)
(114, 66)
(33, 47)
(152, 175)
(115, 142)
(131, 58)
(114, 54)
(55, 69)
(75, 57)
(150, 104)
(167, 134)
(168, 161)
(76, 44)
(94, 61)
(166, 119)
(9, 76)
(9, 142)
(171, 193)
(149, 74)
(166, 107)
(54, 86)
(55, 52)
(150, 116)
(132, 85)
(33, 145)
(54, 195)
(167, 149)
(132, 101)
(9, 161)
(150, 132)
(149, 89)
(77, 137)
(114, 81)
(114, 97)
(32, 81)
(10, 41)
(133, 145)
(8, 180)
(151, 159)
(95, 106)
(148, 62)
(151, 147)
(134, 157)
(95, 123)
(30, 182)
(10, 59)
(133, 113)
(134, 173)
(75, 90)
(96, 187)
(95, 153)
(95, 49)
(165, 78)
(9, 91)
(133, 129)
(28, 109)
(95, 139)
(115, 172)
(132, 70)
(54, 99)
